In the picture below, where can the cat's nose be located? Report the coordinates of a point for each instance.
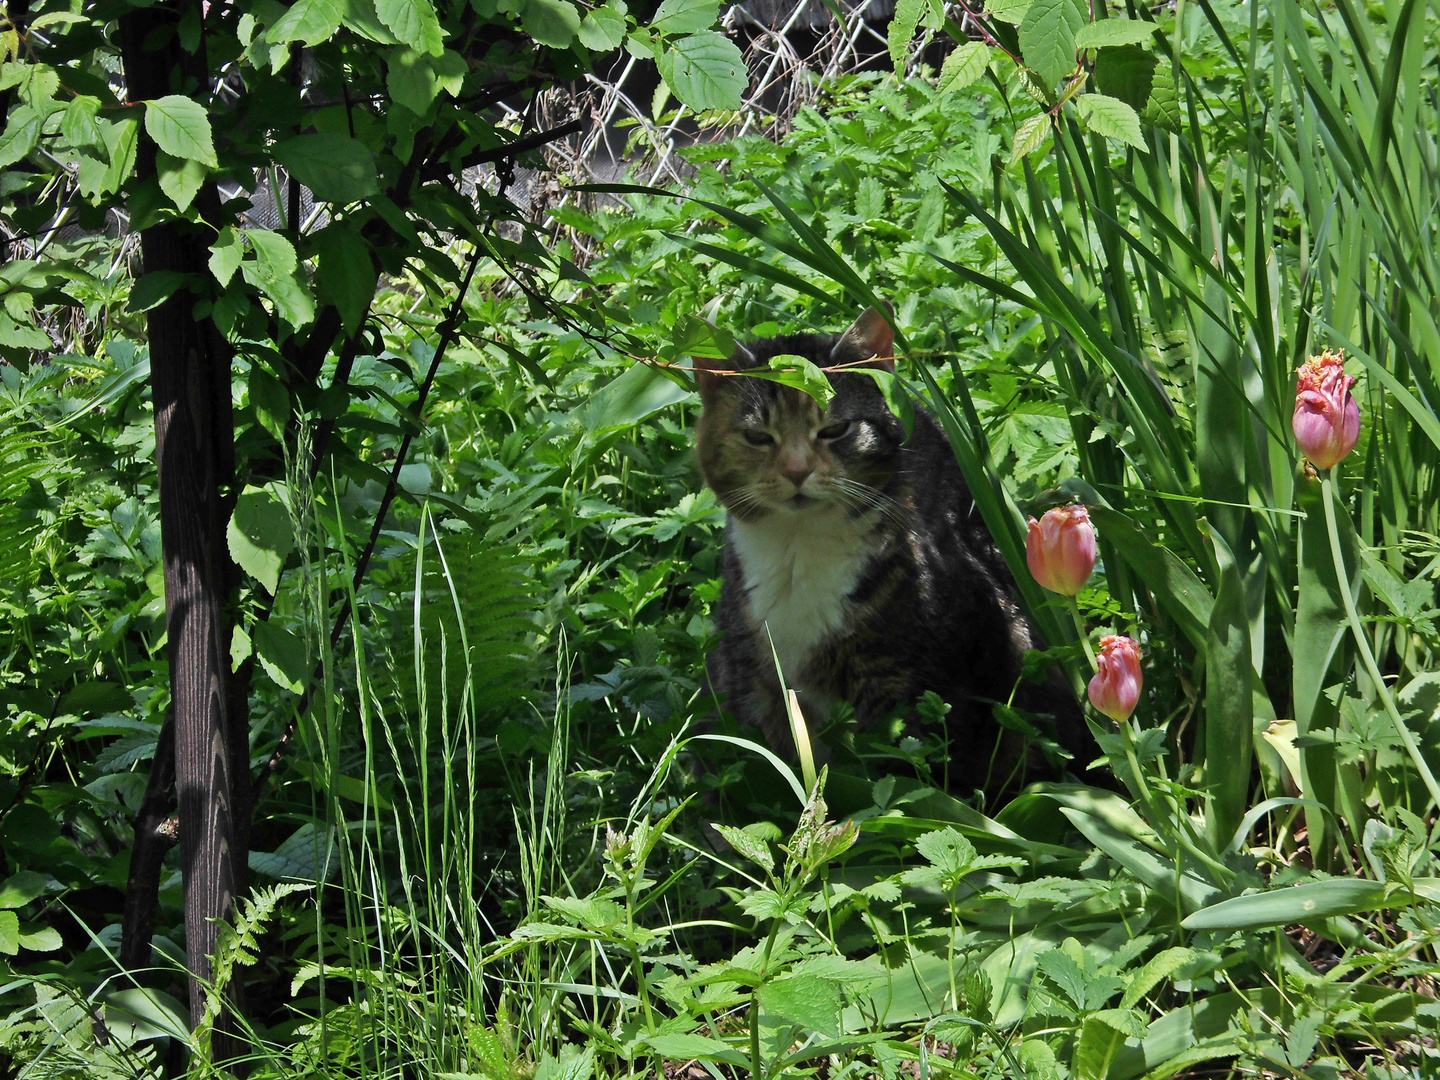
(796, 469)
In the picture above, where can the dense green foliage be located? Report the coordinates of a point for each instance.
(489, 849)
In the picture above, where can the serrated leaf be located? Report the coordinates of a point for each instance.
(964, 66)
(9, 933)
(281, 654)
(271, 402)
(410, 80)
(1110, 117)
(1030, 136)
(685, 16)
(1163, 107)
(450, 70)
(361, 16)
(275, 273)
(19, 889)
(78, 122)
(225, 255)
(260, 536)
(551, 22)
(180, 178)
(1127, 73)
(1010, 11)
(603, 28)
(1062, 969)
(592, 913)
(414, 22)
(1114, 31)
(21, 135)
(692, 1047)
(1047, 38)
(181, 127)
(705, 70)
(1160, 967)
(154, 288)
(347, 276)
(40, 939)
(335, 167)
(902, 30)
(752, 847)
(813, 1004)
(1098, 1045)
(121, 141)
(798, 372)
(310, 21)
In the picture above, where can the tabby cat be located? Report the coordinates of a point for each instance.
(862, 554)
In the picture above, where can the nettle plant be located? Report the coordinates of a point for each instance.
(1076, 60)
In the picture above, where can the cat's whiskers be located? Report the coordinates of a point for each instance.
(871, 497)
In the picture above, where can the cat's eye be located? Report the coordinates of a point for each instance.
(756, 437)
(835, 430)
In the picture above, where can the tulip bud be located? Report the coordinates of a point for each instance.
(1115, 689)
(1061, 549)
(1327, 419)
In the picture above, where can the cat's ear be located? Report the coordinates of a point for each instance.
(871, 337)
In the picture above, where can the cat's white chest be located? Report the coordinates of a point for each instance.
(800, 568)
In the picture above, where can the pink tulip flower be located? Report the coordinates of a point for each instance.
(1061, 549)
(1327, 419)
(1115, 689)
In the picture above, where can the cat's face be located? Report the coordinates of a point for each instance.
(771, 449)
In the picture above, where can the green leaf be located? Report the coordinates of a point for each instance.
(1296, 903)
(798, 372)
(310, 21)
(282, 655)
(275, 273)
(813, 1004)
(9, 933)
(1229, 701)
(361, 17)
(692, 1047)
(271, 401)
(155, 288)
(1047, 38)
(122, 141)
(551, 22)
(181, 127)
(21, 135)
(1065, 972)
(589, 912)
(1110, 117)
(902, 30)
(1163, 107)
(225, 255)
(1010, 11)
(180, 178)
(1098, 1045)
(1127, 73)
(78, 123)
(638, 393)
(450, 70)
(414, 22)
(40, 939)
(603, 28)
(260, 535)
(1161, 967)
(962, 67)
(748, 844)
(685, 16)
(410, 80)
(347, 275)
(1030, 136)
(334, 167)
(705, 70)
(19, 889)
(1114, 31)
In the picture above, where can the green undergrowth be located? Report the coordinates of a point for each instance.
(509, 839)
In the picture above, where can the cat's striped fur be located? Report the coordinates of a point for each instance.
(860, 555)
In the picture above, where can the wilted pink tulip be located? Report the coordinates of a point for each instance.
(1327, 419)
(1115, 689)
(1061, 549)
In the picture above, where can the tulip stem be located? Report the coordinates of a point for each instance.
(1357, 630)
(1083, 633)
